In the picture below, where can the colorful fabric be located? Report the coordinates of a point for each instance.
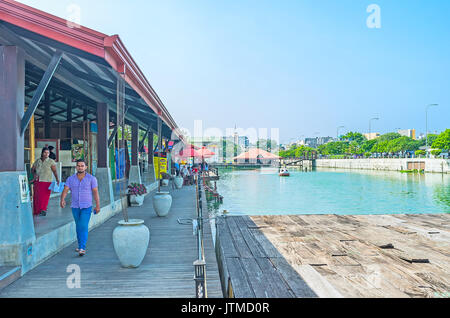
(81, 190)
(55, 187)
(41, 196)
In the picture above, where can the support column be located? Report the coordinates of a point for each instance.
(150, 148)
(69, 117)
(103, 173)
(16, 221)
(47, 118)
(150, 174)
(135, 173)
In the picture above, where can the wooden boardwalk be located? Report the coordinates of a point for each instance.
(166, 271)
(250, 266)
(365, 255)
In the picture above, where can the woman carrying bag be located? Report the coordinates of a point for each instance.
(42, 169)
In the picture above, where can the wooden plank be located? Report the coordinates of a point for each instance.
(239, 282)
(273, 277)
(225, 239)
(266, 245)
(252, 243)
(292, 278)
(320, 285)
(239, 242)
(257, 278)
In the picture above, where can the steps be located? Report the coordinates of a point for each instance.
(8, 274)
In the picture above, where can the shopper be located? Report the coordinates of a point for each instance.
(52, 154)
(42, 169)
(82, 186)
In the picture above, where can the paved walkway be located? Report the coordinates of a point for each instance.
(166, 271)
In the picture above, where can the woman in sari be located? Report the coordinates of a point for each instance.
(42, 169)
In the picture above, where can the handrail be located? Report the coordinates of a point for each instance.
(199, 264)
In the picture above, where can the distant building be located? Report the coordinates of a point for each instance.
(370, 136)
(317, 141)
(411, 133)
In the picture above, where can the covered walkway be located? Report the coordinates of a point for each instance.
(166, 271)
(80, 91)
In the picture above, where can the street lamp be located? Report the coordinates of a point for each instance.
(370, 122)
(426, 124)
(337, 131)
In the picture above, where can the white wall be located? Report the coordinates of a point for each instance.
(431, 165)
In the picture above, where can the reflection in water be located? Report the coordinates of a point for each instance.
(339, 191)
(441, 196)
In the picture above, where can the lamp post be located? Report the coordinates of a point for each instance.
(426, 124)
(337, 131)
(370, 122)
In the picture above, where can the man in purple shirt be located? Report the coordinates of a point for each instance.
(82, 185)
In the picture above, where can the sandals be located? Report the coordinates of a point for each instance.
(81, 252)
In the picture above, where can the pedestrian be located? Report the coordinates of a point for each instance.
(42, 169)
(177, 168)
(52, 154)
(82, 186)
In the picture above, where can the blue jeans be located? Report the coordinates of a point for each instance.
(82, 217)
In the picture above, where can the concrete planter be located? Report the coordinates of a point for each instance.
(136, 200)
(178, 182)
(162, 201)
(130, 241)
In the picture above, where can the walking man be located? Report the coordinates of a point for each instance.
(82, 186)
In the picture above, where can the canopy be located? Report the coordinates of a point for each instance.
(256, 153)
(205, 152)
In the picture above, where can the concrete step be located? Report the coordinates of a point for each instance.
(8, 274)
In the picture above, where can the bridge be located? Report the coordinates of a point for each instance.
(309, 160)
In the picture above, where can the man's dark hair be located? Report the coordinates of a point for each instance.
(81, 160)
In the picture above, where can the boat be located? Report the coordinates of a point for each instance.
(283, 173)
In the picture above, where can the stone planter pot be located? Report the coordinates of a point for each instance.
(165, 182)
(178, 182)
(162, 201)
(130, 241)
(136, 200)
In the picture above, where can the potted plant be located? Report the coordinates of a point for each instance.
(131, 236)
(178, 180)
(136, 192)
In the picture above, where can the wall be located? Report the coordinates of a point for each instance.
(431, 165)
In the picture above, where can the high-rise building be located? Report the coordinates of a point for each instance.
(372, 135)
(411, 133)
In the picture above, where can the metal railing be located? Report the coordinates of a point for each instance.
(200, 264)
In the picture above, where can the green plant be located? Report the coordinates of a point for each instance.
(436, 152)
(419, 152)
(137, 189)
(367, 154)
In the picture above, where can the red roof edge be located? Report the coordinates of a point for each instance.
(96, 43)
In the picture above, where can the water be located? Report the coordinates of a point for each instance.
(332, 191)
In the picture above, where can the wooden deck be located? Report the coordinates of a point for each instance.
(250, 266)
(365, 255)
(166, 271)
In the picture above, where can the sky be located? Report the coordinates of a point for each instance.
(304, 67)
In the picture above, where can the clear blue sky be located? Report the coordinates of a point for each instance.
(302, 66)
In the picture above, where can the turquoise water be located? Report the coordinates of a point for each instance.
(332, 191)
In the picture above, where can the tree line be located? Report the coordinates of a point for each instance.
(354, 143)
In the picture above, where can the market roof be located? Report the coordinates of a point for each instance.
(255, 153)
(89, 55)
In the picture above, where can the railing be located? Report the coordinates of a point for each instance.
(200, 264)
